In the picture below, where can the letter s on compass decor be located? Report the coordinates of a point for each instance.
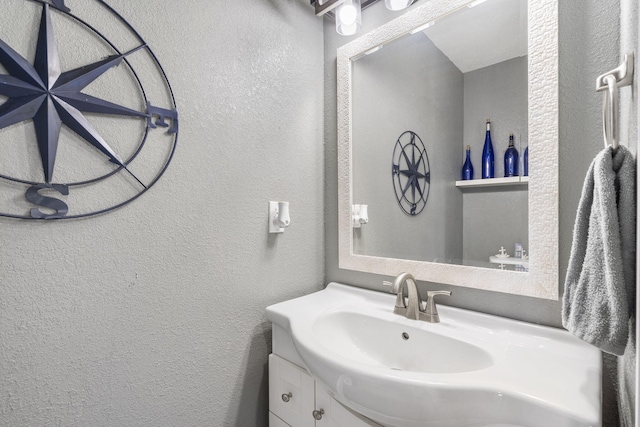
(90, 123)
(411, 173)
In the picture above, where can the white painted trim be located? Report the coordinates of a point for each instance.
(542, 280)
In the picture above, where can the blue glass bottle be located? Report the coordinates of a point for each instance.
(487, 154)
(526, 161)
(511, 159)
(467, 168)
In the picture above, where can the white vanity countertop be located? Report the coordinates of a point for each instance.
(470, 367)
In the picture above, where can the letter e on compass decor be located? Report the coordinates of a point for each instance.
(411, 173)
(88, 120)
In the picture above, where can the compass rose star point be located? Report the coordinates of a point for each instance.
(43, 93)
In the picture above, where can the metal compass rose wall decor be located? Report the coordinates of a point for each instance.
(411, 173)
(87, 126)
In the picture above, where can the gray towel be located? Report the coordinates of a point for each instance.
(599, 290)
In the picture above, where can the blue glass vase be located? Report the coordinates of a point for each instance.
(487, 154)
(526, 161)
(511, 159)
(467, 167)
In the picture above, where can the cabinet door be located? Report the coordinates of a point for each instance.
(276, 422)
(336, 414)
(291, 393)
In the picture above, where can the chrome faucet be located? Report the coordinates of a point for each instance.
(412, 308)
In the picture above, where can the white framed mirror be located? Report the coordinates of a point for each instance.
(448, 255)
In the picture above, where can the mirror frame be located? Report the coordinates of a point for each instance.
(542, 279)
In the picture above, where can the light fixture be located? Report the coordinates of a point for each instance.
(475, 3)
(373, 49)
(422, 27)
(397, 4)
(348, 17)
(324, 6)
(348, 13)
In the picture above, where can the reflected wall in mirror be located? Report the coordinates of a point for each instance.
(442, 82)
(440, 71)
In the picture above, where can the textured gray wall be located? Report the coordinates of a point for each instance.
(498, 92)
(589, 31)
(408, 85)
(498, 216)
(154, 315)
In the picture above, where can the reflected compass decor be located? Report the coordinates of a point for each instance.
(411, 173)
(115, 151)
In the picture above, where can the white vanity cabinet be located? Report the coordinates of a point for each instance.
(296, 400)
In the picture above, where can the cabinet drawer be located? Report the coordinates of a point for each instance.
(291, 393)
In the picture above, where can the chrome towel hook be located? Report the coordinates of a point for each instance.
(611, 81)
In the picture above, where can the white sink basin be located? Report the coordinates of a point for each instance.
(376, 342)
(470, 369)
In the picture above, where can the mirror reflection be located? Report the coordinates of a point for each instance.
(417, 103)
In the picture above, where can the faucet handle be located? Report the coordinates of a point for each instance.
(432, 294)
(430, 313)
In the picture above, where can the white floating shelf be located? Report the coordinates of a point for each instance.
(509, 260)
(494, 182)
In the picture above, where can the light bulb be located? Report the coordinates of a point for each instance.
(397, 4)
(348, 17)
(348, 14)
